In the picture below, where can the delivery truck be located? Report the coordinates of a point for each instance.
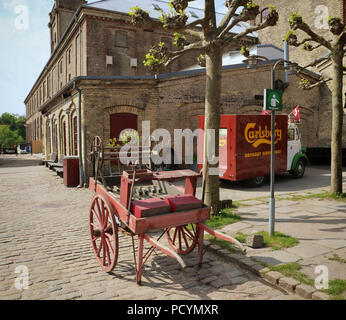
(244, 148)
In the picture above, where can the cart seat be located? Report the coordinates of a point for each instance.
(183, 202)
(149, 207)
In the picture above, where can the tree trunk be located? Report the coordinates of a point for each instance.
(337, 121)
(212, 121)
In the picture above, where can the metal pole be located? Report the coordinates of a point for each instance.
(272, 166)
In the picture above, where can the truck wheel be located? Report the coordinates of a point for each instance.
(299, 170)
(255, 182)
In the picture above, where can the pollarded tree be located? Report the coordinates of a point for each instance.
(211, 39)
(336, 46)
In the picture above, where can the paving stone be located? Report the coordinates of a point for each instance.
(308, 250)
(235, 227)
(273, 277)
(318, 295)
(62, 264)
(305, 291)
(276, 257)
(286, 210)
(331, 243)
(288, 284)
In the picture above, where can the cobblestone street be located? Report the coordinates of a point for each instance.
(44, 227)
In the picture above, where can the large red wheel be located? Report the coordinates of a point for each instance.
(182, 239)
(104, 233)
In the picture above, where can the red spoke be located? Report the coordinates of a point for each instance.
(175, 234)
(101, 215)
(100, 247)
(109, 236)
(106, 219)
(98, 218)
(94, 225)
(107, 251)
(185, 240)
(179, 237)
(109, 245)
(188, 233)
(104, 253)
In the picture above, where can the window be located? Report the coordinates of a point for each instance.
(121, 39)
(290, 134)
(69, 56)
(75, 136)
(48, 85)
(60, 66)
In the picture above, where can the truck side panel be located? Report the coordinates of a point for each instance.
(253, 146)
(247, 153)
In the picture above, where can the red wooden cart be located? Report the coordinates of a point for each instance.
(145, 202)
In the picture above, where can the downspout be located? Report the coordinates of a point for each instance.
(85, 181)
(287, 58)
(79, 133)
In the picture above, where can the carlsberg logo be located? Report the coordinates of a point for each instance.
(258, 136)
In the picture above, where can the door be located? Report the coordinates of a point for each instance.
(121, 121)
(118, 123)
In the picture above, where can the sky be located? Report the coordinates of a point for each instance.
(25, 47)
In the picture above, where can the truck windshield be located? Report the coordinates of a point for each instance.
(290, 134)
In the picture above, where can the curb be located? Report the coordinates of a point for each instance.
(274, 278)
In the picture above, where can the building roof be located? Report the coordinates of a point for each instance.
(236, 58)
(124, 7)
(153, 7)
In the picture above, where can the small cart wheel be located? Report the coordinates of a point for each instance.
(96, 150)
(182, 239)
(104, 232)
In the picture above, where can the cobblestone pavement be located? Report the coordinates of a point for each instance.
(44, 227)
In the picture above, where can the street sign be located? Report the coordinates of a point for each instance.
(272, 100)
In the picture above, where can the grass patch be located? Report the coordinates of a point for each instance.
(291, 270)
(321, 196)
(337, 258)
(225, 217)
(222, 243)
(336, 288)
(276, 242)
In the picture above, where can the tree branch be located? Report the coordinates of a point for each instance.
(271, 20)
(297, 23)
(194, 33)
(230, 13)
(315, 63)
(317, 84)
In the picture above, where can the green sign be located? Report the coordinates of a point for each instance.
(272, 100)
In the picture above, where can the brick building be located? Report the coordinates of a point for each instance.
(94, 82)
(315, 14)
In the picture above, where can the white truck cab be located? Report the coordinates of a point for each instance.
(296, 157)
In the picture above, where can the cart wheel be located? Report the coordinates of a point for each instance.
(96, 149)
(182, 239)
(104, 233)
